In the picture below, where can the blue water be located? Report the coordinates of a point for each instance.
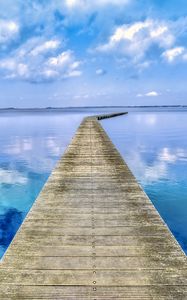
(154, 144)
(30, 146)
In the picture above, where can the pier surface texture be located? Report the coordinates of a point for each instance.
(93, 233)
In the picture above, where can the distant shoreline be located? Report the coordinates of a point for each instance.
(89, 107)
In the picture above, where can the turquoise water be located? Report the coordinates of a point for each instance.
(30, 145)
(154, 144)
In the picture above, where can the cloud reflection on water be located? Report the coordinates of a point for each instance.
(155, 147)
(31, 144)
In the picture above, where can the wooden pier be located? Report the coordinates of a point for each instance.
(93, 234)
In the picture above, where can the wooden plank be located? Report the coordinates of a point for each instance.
(93, 233)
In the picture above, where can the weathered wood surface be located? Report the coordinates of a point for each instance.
(93, 234)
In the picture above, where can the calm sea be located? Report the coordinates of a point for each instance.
(154, 144)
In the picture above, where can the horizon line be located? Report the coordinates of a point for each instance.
(102, 106)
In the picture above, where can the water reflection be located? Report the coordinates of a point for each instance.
(9, 224)
(155, 148)
(153, 144)
(30, 144)
(11, 177)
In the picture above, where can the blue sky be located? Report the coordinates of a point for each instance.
(102, 52)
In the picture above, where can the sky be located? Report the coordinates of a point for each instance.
(89, 53)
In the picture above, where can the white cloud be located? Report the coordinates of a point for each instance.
(148, 94)
(66, 64)
(45, 47)
(22, 70)
(8, 64)
(134, 40)
(12, 69)
(48, 74)
(126, 32)
(9, 31)
(152, 94)
(60, 61)
(172, 54)
(91, 5)
(39, 60)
